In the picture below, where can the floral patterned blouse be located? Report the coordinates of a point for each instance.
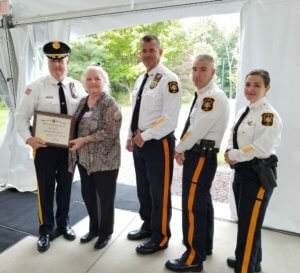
(103, 121)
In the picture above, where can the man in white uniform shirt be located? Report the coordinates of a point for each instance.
(156, 106)
(197, 152)
(55, 93)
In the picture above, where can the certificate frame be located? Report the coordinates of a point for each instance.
(55, 129)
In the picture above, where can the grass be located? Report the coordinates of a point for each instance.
(3, 120)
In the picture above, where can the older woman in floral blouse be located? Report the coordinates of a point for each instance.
(96, 151)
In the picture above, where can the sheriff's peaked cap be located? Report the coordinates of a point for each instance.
(56, 50)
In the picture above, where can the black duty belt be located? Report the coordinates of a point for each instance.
(245, 164)
(197, 148)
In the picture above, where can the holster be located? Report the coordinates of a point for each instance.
(266, 171)
(205, 148)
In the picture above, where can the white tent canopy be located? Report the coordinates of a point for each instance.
(269, 36)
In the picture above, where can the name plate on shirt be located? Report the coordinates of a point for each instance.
(55, 129)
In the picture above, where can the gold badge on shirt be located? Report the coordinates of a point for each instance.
(267, 119)
(173, 87)
(207, 104)
(73, 90)
(155, 80)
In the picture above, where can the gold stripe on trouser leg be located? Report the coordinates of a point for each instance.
(166, 193)
(251, 230)
(190, 209)
(40, 213)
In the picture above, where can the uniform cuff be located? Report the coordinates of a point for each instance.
(146, 135)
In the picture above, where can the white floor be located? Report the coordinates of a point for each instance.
(281, 252)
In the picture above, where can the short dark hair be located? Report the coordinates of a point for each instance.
(149, 38)
(263, 73)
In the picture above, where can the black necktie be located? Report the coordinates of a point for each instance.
(136, 111)
(188, 121)
(62, 99)
(236, 127)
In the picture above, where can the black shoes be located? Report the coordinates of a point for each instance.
(231, 262)
(43, 243)
(67, 232)
(88, 237)
(178, 265)
(149, 247)
(138, 234)
(102, 242)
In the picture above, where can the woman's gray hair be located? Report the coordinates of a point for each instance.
(103, 74)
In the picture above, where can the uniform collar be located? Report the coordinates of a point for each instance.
(54, 81)
(206, 88)
(257, 104)
(154, 70)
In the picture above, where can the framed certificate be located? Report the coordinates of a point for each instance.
(55, 129)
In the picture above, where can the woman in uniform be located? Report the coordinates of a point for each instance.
(252, 153)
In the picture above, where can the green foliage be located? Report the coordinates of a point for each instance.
(118, 53)
(2, 104)
(3, 121)
(85, 52)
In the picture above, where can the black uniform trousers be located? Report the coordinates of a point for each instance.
(98, 191)
(154, 171)
(51, 165)
(251, 203)
(197, 207)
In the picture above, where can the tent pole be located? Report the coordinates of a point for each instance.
(13, 70)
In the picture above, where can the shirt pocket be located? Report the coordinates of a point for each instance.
(151, 100)
(248, 130)
(49, 103)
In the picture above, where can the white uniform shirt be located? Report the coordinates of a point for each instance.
(160, 106)
(43, 95)
(258, 134)
(208, 119)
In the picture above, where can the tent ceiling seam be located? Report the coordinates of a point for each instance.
(109, 11)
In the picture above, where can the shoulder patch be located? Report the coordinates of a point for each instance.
(27, 92)
(155, 81)
(267, 119)
(208, 104)
(73, 90)
(173, 87)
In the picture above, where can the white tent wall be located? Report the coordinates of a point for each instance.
(16, 163)
(270, 39)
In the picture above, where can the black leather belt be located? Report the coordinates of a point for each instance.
(197, 148)
(245, 164)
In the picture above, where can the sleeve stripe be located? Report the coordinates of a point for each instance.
(155, 124)
(247, 149)
(186, 135)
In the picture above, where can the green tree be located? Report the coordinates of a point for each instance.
(123, 64)
(85, 52)
(208, 37)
